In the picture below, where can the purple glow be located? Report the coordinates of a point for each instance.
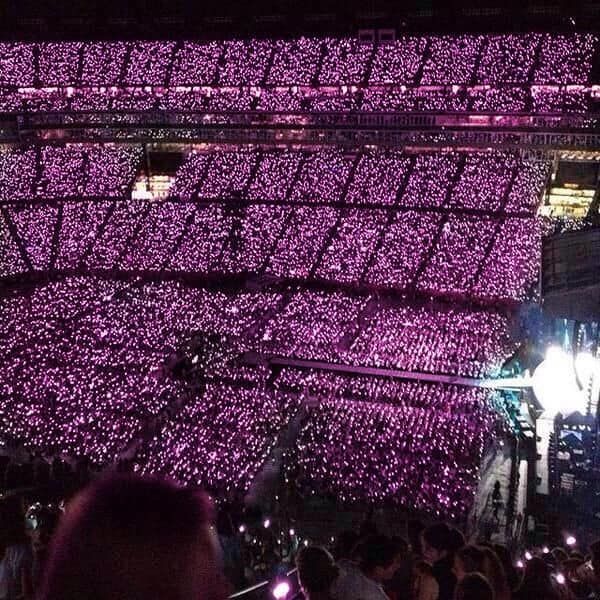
(488, 73)
(348, 254)
(382, 258)
(95, 401)
(59, 63)
(398, 62)
(148, 63)
(295, 62)
(461, 245)
(35, 226)
(374, 451)
(16, 64)
(508, 58)
(344, 62)
(452, 59)
(565, 59)
(492, 257)
(196, 64)
(322, 176)
(103, 62)
(244, 63)
(11, 262)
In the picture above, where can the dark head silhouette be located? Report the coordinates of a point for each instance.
(134, 538)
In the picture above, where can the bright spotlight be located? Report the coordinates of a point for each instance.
(528, 555)
(292, 532)
(570, 541)
(242, 529)
(520, 564)
(267, 523)
(560, 579)
(545, 550)
(555, 385)
(281, 590)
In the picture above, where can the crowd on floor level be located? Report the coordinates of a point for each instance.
(124, 536)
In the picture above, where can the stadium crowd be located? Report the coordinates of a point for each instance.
(413, 261)
(511, 73)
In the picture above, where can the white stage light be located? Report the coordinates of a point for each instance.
(555, 385)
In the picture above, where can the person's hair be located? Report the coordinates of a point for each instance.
(438, 536)
(471, 558)
(316, 569)
(571, 564)
(345, 544)
(134, 538)
(512, 576)
(456, 539)
(559, 554)
(537, 581)
(47, 519)
(414, 529)
(401, 546)
(494, 572)
(377, 551)
(474, 586)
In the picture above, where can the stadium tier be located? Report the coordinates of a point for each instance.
(428, 60)
(380, 452)
(86, 370)
(542, 73)
(487, 259)
(443, 224)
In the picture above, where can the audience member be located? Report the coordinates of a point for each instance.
(379, 559)
(494, 573)
(15, 554)
(414, 530)
(512, 577)
(113, 531)
(559, 555)
(345, 543)
(425, 586)
(439, 545)
(537, 582)
(231, 550)
(132, 538)
(469, 559)
(43, 521)
(317, 572)
(400, 585)
(589, 572)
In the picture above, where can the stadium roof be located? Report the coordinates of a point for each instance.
(174, 19)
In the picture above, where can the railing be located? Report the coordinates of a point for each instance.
(259, 586)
